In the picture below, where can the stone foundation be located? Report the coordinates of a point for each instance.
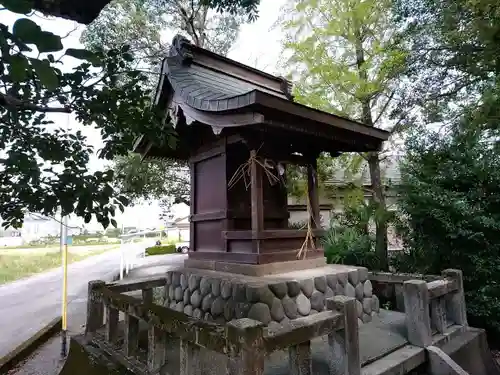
(221, 297)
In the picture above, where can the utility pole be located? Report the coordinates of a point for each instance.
(64, 299)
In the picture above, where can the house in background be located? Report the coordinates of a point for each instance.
(178, 229)
(333, 204)
(35, 227)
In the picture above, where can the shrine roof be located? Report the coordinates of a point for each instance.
(214, 90)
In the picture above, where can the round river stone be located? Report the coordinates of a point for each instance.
(353, 276)
(277, 311)
(205, 286)
(206, 303)
(215, 287)
(193, 282)
(187, 297)
(196, 299)
(188, 310)
(178, 293)
(225, 289)
(307, 287)
(290, 308)
(303, 305)
(217, 306)
(331, 280)
(293, 288)
(184, 281)
(349, 290)
(320, 283)
(368, 288)
(359, 291)
(279, 289)
(317, 301)
(260, 311)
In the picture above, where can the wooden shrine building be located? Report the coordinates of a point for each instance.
(239, 127)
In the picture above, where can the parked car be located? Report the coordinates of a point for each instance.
(182, 247)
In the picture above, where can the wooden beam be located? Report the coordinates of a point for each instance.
(256, 194)
(312, 192)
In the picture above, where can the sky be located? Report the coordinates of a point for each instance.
(258, 45)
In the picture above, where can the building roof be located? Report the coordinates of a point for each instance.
(389, 170)
(200, 87)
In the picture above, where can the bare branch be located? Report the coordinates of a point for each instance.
(384, 108)
(10, 102)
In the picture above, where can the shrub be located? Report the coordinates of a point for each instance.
(450, 197)
(160, 250)
(348, 245)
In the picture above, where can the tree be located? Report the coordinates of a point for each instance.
(152, 180)
(450, 196)
(454, 59)
(44, 170)
(142, 23)
(346, 56)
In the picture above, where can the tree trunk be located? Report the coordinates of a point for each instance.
(378, 194)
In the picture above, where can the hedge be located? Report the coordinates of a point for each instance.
(159, 250)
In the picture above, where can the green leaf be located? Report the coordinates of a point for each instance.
(123, 200)
(46, 74)
(81, 54)
(26, 30)
(87, 218)
(113, 223)
(48, 42)
(18, 68)
(18, 6)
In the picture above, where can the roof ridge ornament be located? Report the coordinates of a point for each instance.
(286, 87)
(178, 50)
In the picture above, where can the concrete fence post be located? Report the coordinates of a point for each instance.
(418, 321)
(95, 306)
(455, 302)
(344, 344)
(246, 344)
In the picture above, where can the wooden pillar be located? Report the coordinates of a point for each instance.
(313, 193)
(192, 207)
(256, 195)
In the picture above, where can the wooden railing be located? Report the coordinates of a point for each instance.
(244, 342)
(432, 305)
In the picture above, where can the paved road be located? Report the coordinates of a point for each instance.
(28, 305)
(46, 360)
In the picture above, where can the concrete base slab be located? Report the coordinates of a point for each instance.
(256, 269)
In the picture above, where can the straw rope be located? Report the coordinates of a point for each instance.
(243, 172)
(302, 253)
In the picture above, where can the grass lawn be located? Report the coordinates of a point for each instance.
(14, 266)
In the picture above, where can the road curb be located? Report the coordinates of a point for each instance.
(29, 346)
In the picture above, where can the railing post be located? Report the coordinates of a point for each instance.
(456, 309)
(190, 361)
(156, 348)
(111, 324)
(246, 349)
(438, 314)
(300, 359)
(418, 322)
(344, 344)
(95, 306)
(131, 339)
